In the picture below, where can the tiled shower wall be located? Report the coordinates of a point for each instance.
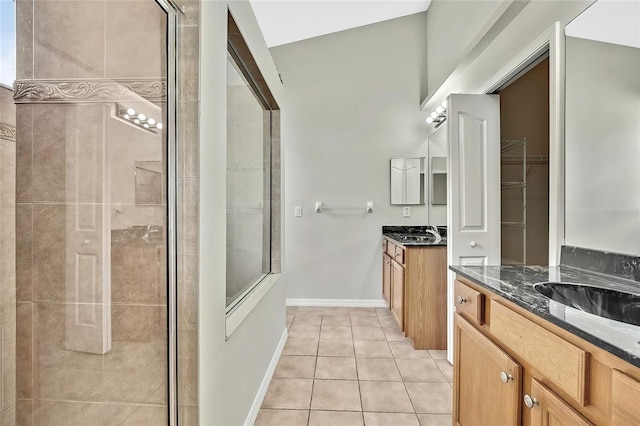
(7, 258)
(59, 41)
(188, 218)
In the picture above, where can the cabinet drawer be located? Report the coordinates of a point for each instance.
(469, 302)
(399, 255)
(560, 361)
(625, 393)
(390, 248)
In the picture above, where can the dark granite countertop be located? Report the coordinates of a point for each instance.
(515, 283)
(416, 236)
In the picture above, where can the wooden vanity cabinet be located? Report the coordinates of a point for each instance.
(414, 284)
(386, 278)
(563, 379)
(488, 381)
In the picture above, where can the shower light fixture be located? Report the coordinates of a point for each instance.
(139, 119)
(438, 116)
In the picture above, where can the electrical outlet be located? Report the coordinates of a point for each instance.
(298, 211)
(406, 212)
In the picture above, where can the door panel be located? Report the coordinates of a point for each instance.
(473, 186)
(551, 410)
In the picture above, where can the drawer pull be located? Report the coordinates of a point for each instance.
(505, 377)
(461, 300)
(388, 263)
(397, 254)
(530, 402)
(473, 244)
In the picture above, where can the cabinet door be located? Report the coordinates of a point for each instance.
(487, 382)
(548, 409)
(397, 293)
(626, 398)
(386, 278)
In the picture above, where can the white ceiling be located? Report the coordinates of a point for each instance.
(609, 21)
(286, 21)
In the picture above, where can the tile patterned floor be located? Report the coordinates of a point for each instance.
(353, 366)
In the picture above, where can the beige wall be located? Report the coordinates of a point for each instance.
(7, 257)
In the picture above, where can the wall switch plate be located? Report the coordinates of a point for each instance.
(406, 212)
(298, 211)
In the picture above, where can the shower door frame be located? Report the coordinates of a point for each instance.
(173, 12)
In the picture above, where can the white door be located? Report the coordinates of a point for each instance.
(473, 186)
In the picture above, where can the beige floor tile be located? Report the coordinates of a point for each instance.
(304, 331)
(372, 349)
(336, 368)
(365, 321)
(430, 397)
(270, 417)
(393, 334)
(387, 419)
(338, 310)
(344, 320)
(363, 312)
(295, 367)
(308, 318)
(388, 322)
(288, 393)
(292, 309)
(290, 320)
(383, 369)
(335, 332)
(336, 348)
(446, 368)
(435, 419)
(336, 395)
(385, 397)
(296, 346)
(438, 354)
(405, 350)
(420, 370)
(335, 418)
(368, 333)
(383, 311)
(311, 309)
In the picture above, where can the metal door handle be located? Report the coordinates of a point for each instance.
(461, 300)
(473, 244)
(505, 377)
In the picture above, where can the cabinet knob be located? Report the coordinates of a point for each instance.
(505, 377)
(473, 244)
(397, 254)
(530, 402)
(388, 263)
(461, 300)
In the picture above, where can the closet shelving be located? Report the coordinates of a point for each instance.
(513, 161)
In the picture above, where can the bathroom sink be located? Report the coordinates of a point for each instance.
(412, 238)
(612, 304)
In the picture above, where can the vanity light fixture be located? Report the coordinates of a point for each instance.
(139, 119)
(438, 116)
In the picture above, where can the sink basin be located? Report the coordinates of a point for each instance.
(428, 239)
(612, 304)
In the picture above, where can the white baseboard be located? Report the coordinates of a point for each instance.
(348, 303)
(268, 375)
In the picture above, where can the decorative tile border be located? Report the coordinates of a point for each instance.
(7, 132)
(67, 91)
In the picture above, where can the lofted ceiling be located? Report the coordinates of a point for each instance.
(287, 21)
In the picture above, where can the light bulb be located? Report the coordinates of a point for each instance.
(142, 117)
(444, 103)
(429, 120)
(433, 114)
(151, 121)
(136, 121)
(126, 116)
(439, 110)
(146, 126)
(131, 111)
(159, 126)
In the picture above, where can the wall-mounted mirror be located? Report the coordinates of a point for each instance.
(407, 180)
(602, 201)
(438, 181)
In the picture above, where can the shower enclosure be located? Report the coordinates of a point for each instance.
(95, 213)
